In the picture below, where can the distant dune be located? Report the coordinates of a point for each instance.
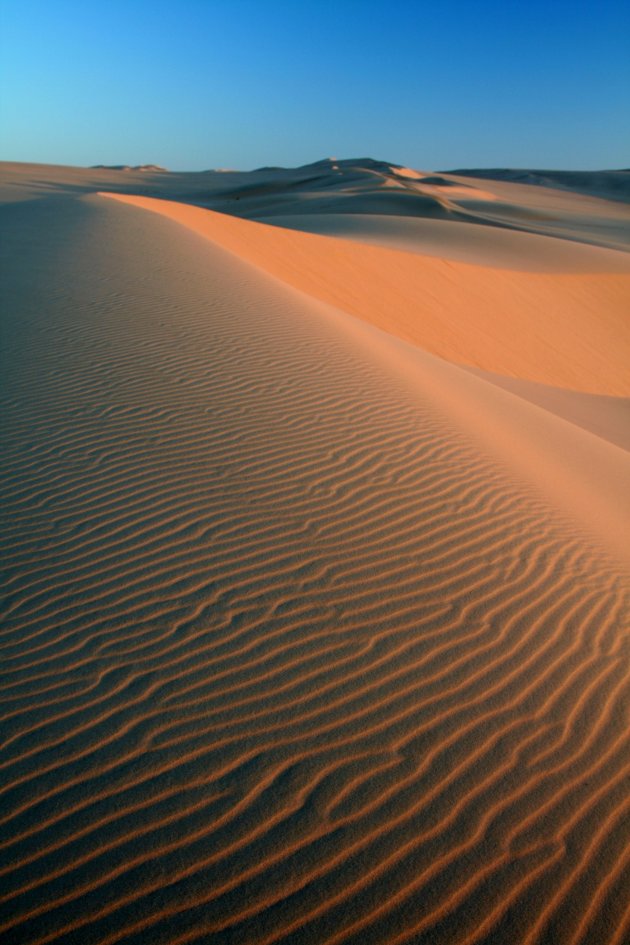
(128, 167)
(610, 185)
(316, 580)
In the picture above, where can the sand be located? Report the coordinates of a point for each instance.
(312, 633)
(568, 329)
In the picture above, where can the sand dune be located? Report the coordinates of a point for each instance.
(566, 329)
(610, 185)
(496, 247)
(308, 636)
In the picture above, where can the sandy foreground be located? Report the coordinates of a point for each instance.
(316, 578)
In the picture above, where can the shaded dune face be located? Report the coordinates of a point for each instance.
(287, 655)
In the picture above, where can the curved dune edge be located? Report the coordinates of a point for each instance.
(581, 473)
(566, 330)
(606, 417)
(452, 239)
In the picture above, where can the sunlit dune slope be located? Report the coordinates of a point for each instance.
(566, 329)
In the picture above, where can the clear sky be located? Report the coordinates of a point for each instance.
(241, 83)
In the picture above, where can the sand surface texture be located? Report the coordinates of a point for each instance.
(313, 629)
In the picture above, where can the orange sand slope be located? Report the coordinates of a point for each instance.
(569, 330)
(308, 636)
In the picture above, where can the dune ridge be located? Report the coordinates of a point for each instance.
(564, 329)
(289, 653)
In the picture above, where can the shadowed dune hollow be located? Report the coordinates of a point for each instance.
(315, 608)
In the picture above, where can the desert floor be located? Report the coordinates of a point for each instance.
(316, 573)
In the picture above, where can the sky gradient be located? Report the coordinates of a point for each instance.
(240, 84)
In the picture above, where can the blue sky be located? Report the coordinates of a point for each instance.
(239, 83)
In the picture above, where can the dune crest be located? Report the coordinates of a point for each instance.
(407, 172)
(562, 329)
